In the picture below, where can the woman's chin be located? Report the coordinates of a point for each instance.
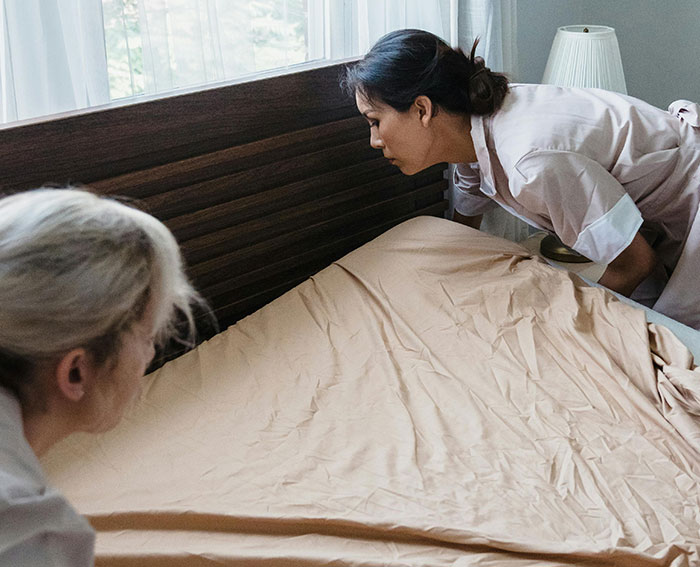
(409, 170)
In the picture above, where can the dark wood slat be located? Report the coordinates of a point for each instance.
(230, 312)
(209, 193)
(374, 179)
(121, 139)
(294, 241)
(384, 193)
(145, 183)
(277, 199)
(312, 255)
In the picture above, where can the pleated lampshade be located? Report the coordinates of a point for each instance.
(585, 56)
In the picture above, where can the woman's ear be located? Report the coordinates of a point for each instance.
(74, 372)
(425, 109)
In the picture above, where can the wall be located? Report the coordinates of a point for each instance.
(659, 42)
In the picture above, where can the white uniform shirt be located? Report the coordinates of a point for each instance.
(594, 167)
(38, 527)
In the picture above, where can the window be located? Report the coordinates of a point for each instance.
(154, 46)
(159, 45)
(57, 56)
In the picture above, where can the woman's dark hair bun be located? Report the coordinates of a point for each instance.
(405, 64)
(486, 88)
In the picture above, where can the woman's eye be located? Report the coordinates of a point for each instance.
(373, 123)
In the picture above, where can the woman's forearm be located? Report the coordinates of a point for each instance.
(474, 222)
(630, 268)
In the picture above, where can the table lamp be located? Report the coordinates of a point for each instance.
(585, 56)
(582, 56)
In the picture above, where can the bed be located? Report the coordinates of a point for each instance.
(388, 387)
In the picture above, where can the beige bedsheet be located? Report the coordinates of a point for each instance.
(437, 397)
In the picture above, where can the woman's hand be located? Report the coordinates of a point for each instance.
(630, 268)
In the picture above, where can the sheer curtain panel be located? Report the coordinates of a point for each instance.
(52, 57)
(58, 55)
(189, 42)
(378, 17)
(494, 22)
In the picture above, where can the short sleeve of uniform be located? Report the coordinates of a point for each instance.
(588, 208)
(467, 197)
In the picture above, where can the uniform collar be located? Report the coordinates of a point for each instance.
(478, 133)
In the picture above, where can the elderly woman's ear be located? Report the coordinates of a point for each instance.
(73, 374)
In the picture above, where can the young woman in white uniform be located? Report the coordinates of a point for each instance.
(616, 179)
(87, 286)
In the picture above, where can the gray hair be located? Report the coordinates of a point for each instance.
(77, 270)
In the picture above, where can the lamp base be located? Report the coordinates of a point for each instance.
(553, 248)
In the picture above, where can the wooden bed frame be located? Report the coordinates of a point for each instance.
(263, 183)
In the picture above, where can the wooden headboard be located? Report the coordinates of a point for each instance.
(263, 183)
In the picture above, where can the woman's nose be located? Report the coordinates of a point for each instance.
(375, 141)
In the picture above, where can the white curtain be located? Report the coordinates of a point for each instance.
(494, 22)
(190, 42)
(378, 17)
(52, 57)
(58, 55)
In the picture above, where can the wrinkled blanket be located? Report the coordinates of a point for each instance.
(437, 397)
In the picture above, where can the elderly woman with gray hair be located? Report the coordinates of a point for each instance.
(88, 286)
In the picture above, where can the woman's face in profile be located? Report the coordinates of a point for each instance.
(121, 382)
(401, 136)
